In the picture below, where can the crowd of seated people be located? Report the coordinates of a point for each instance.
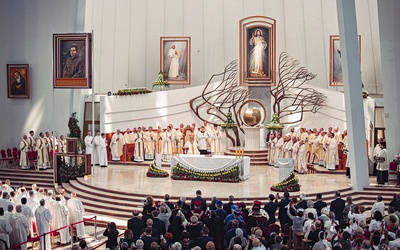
(206, 226)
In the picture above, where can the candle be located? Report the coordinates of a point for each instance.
(236, 152)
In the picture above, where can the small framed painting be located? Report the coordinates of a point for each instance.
(175, 59)
(18, 82)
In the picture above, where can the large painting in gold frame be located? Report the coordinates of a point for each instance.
(257, 59)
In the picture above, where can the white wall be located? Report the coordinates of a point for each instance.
(26, 37)
(127, 34)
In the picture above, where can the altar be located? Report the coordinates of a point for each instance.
(212, 164)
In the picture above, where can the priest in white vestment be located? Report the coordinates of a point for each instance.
(62, 145)
(178, 141)
(88, 143)
(191, 146)
(20, 228)
(103, 161)
(302, 157)
(215, 140)
(24, 147)
(28, 213)
(150, 140)
(278, 146)
(117, 145)
(295, 149)
(60, 215)
(76, 211)
(271, 149)
(331, 153)
(202, 137)
(48, 148)
(167, 145)
(41, 148)
(32, 141)
(139, 146)
(96, 148)
(43, 218)
(5, 230)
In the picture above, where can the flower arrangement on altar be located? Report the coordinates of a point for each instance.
(156, 172)
(275, 125)
(229, 123)
(230, 174)
(135, 91)
(290, 184)
(160, 83)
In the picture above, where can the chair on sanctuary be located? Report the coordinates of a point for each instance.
(15, 157)
(310, 164)
(10, 155)
(33, 160)
(4, 157)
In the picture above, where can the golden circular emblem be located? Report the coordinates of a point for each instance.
(252, 116)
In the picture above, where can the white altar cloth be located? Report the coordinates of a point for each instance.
(286, 166)
(214, 163)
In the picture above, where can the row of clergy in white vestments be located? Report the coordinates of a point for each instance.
(17, 215)
(44, 145)
(97, 146)
(320, 147)
(150, 142)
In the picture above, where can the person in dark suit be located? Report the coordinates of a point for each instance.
(158, 224)
(227, 206)
(282, 215)
(203, 239)
(149, 224)
(319, 204)
(203, 206)
(166, 201)
(147, 238)
(303, 202)
(178, 208)
(337, 206)
(135, 224)
(216, 225)
(271, 207)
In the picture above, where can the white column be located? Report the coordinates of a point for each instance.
(353, 93)
(389, 21)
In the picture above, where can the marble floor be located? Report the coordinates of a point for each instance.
(133, 179)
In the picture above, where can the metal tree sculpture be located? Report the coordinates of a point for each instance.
(291, 97)
(222, 101)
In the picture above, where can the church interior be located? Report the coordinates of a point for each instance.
(127, 62)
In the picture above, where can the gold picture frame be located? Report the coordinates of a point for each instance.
(257, 45)
(175, 59)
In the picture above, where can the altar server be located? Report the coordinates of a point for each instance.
(202, 137)
(43, 218)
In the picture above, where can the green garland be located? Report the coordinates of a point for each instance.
(275, 125)
(71, 169)
(290, 184)
(135, 91)
(156, 172)
(74, 129)
(229, 174)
